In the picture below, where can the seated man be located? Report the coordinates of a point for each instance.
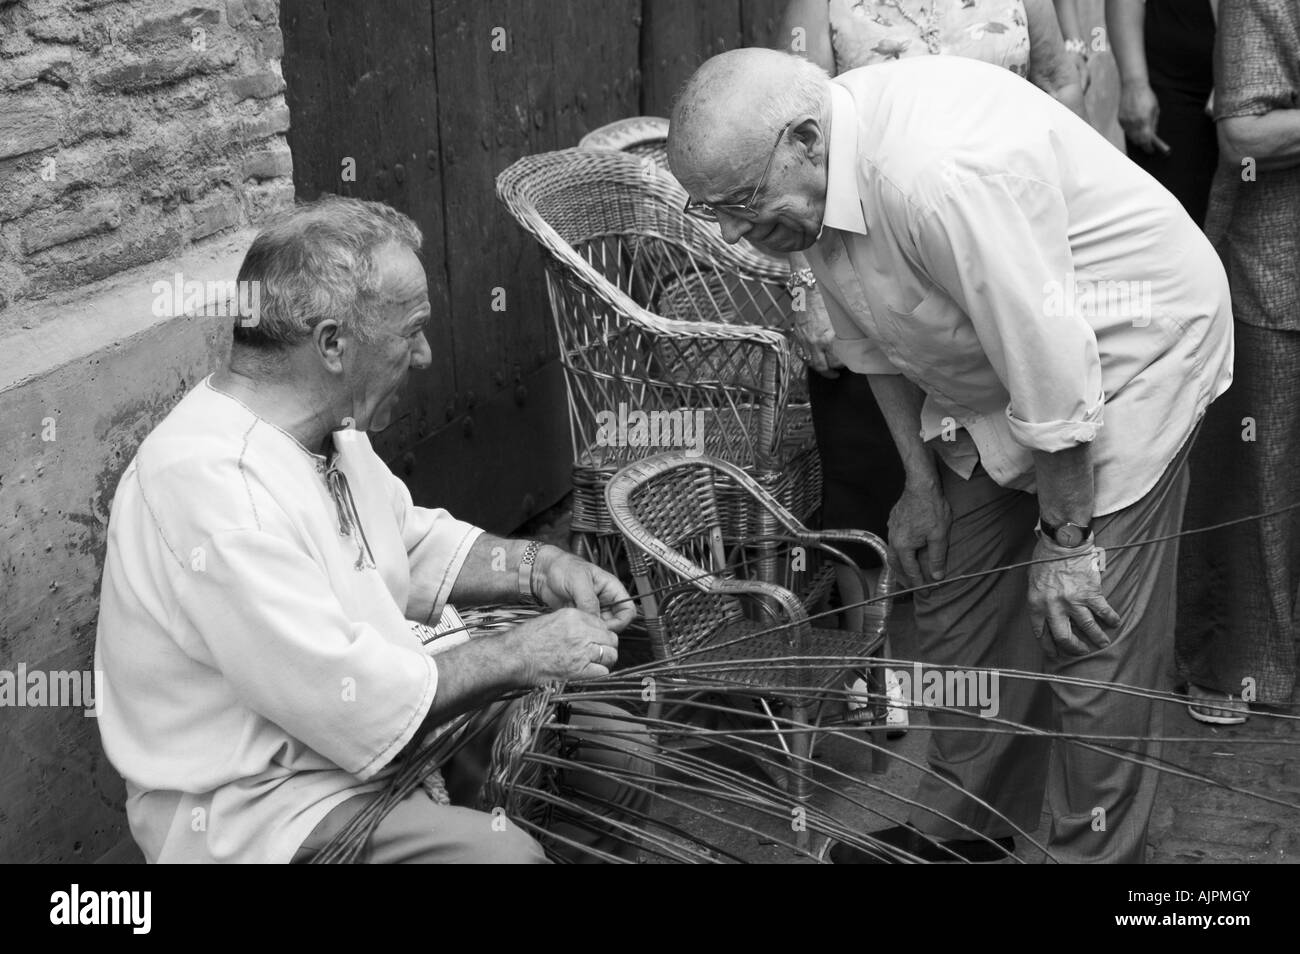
(261, 668)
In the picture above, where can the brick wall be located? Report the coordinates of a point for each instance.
(130, 130)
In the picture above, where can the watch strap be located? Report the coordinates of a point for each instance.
(526, 565)
(1051, 530)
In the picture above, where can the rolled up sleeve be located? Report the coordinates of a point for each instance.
(998, 245)
(272, 626)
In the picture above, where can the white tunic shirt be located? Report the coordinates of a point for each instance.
(985, 242)
(257, 661)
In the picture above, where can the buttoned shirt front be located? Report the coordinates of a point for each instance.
(986, 243)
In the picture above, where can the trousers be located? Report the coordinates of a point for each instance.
(420, 831)
(1099, 801)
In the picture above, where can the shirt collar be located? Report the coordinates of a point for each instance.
(843, 204)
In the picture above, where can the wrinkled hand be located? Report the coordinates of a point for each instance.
(1138, 114)
(919, 521)
(562, 646)
(813, 333)
(1068, 589)
(561, 579)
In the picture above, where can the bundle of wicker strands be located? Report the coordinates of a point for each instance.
(718, 769)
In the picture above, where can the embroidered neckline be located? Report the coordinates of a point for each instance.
(336, 483)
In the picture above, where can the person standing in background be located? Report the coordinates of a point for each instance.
(861, 471)
(1165, 53)
(1239, 587)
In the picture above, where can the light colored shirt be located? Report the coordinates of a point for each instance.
(985, 242)
(258, 663)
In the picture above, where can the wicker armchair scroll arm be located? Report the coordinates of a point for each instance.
(867, 539)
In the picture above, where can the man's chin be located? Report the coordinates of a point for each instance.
(383, 416)
(782, 241)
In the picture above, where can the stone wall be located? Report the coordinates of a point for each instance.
(130, 130)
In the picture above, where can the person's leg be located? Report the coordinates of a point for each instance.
(1239, 586)
(862, 474)
(984, 622)
(420, 831)
(1100, 803)
(862, 479)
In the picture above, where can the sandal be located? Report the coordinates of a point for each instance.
(1216, 708)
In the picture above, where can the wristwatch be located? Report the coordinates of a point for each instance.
(800, 278)
(526, 592)
(1066, 534)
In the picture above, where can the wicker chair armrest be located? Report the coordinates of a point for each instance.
(769, 595)
(867, 539)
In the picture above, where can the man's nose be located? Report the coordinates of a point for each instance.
(422, 356)
(733, 227)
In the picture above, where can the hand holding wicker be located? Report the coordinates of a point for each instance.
(562, 646)
(561, 579)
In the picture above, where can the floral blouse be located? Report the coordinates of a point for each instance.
(864, 32)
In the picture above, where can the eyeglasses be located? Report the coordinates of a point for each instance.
(744, 210)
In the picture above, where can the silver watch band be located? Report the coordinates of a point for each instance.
(526, 591)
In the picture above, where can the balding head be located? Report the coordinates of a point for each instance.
(723, 129)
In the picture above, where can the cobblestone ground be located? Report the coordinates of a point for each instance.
(1193, 822)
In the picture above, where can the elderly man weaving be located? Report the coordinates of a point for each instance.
(970, 235)
(262, 674)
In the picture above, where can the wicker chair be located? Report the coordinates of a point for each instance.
(642, 136)
(715, 608)
(656, 315)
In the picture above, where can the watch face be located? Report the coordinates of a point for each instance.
(1069, 535)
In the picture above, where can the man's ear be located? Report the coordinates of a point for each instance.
(328, 341)
(810, 135)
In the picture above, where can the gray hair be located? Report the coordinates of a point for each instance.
(803, 97)
(316, 262)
